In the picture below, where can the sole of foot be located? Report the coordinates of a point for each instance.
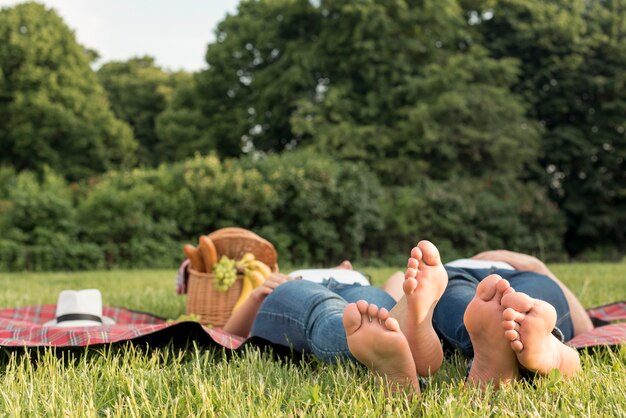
(494, 360)
(528, 325)
(425, 281)
(375, 340)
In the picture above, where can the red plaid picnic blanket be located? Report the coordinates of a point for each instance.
(608, 333)
(23, 327)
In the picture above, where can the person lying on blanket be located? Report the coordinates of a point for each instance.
(504, 310)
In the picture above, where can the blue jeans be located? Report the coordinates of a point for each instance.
(308, 316)
(462, 283)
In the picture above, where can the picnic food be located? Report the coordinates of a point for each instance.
(203, 297)
(254, 274)
(224, 273)
(197, 263)
(246, 289)
(253, 268)
(258, 265)
(208, 252)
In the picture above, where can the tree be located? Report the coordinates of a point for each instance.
(54, 112)
(407, 91)
(394, 84)
(259, 67)
(139, 91)
(573, 55)
(182, 129)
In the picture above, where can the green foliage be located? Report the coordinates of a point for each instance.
(181, 129)
(441, 90)
(390, 84)
(53, 110)
(312, 208)
(410, 94)
(353, 127)
(261, 64)
(40, 227)
(572, 55)
(129, 216)
(465, 216)
(316, 210)
(34, 204)
(139, 91)
(326, 208)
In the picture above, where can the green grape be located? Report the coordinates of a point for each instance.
(224, 274)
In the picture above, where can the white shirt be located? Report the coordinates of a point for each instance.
(469, 263)
(352, 276)
(341, 275)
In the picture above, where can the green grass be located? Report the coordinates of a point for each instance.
(126, 381)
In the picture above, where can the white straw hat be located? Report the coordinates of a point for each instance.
(79, 308)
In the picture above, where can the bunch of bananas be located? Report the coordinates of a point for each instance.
(255, 272)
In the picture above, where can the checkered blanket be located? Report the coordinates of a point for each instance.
(23, 327)
(608, 330)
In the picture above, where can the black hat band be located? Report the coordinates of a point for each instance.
(78, 317)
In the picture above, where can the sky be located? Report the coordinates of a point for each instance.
(174, 32)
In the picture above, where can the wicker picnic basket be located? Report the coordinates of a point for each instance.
(214, 307)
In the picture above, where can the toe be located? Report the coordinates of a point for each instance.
(519, 301)
(351, 319)
(517, 346)
(486, 289)
(362, 306)
(413, 263)
(383, 314)
(502, 286)
(430, 253)
(409, 285)
(510, 314)
(392, 324)
(410, 272)
(372, 310)
(507, 291)
(511, 335)
(416, 253)
(509, 325)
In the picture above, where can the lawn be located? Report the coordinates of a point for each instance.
(168, 382)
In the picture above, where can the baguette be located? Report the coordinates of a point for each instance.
(208, 252)
(197, 263)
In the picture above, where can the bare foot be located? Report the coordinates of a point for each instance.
(529, 323)
(425, 281)
(494, 360)
(376, 341)
(345, 265)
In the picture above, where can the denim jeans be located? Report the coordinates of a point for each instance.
(308, 316)
(462, 283)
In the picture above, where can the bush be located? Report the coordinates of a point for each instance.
(12, 256)
(465, 216)
(314, 209)
(326, 208)
(39, 203)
